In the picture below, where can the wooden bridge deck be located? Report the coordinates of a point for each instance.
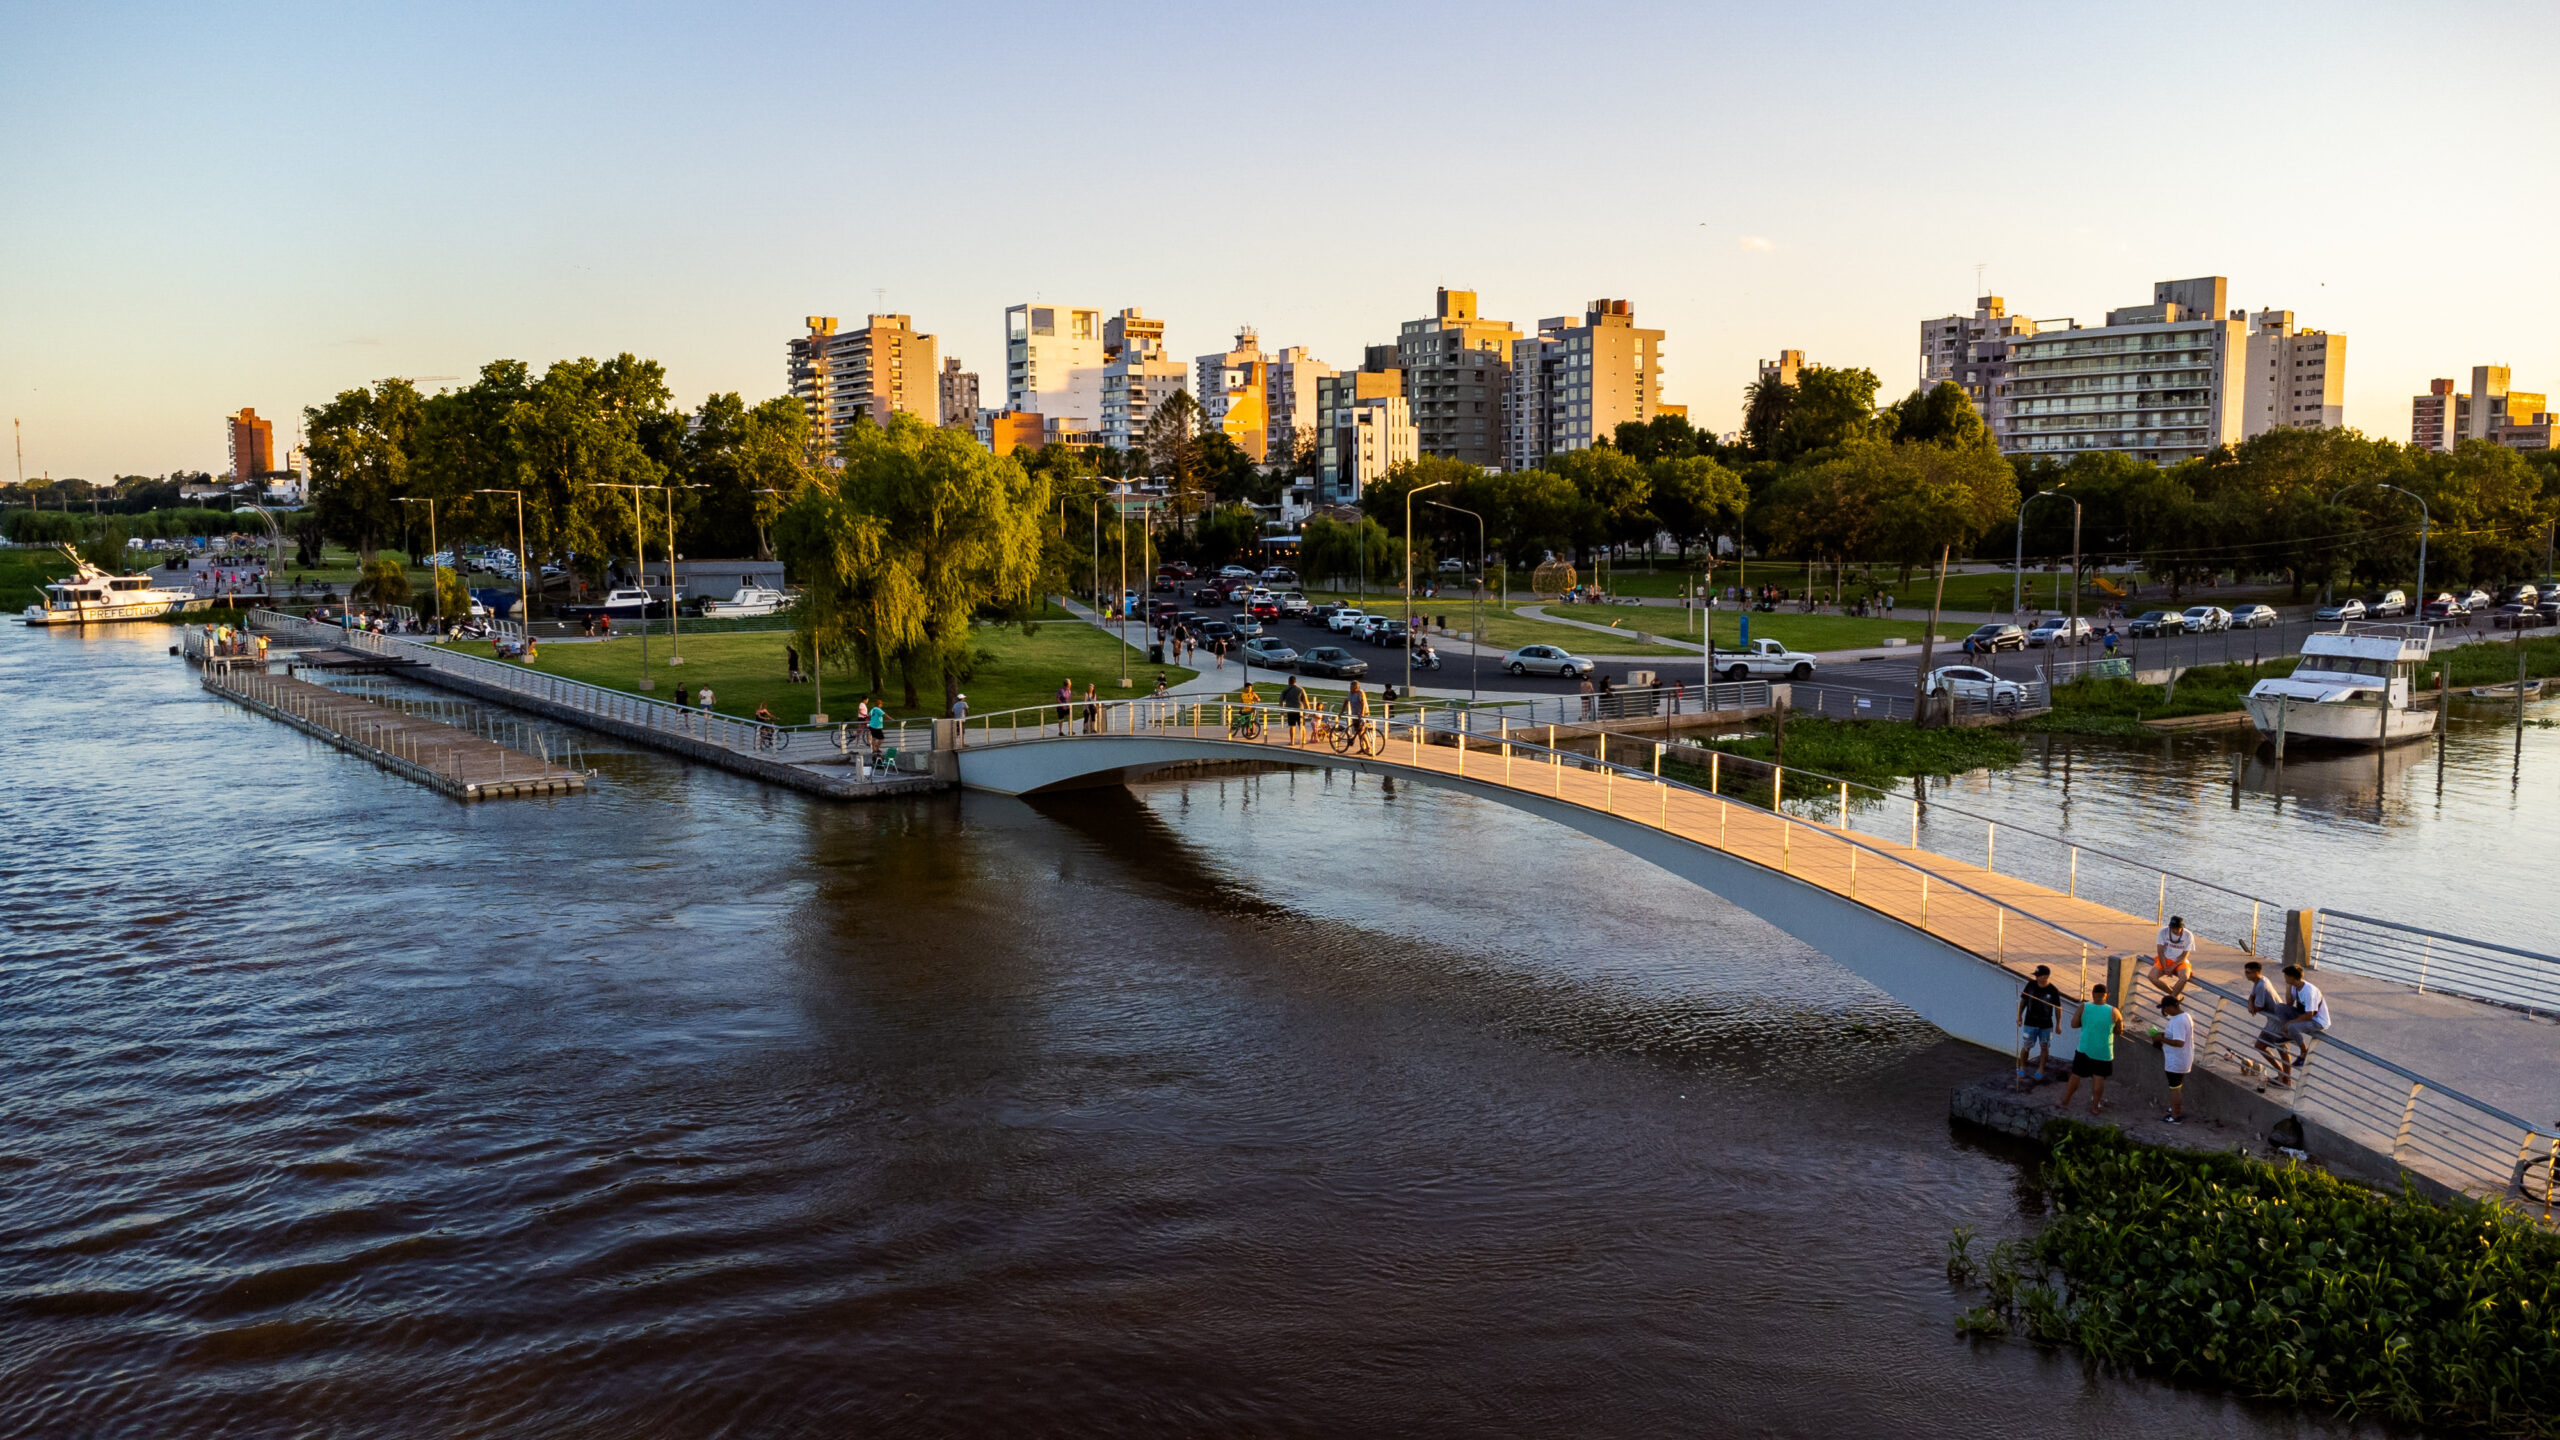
(442, 757)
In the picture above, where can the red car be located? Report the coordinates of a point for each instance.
(1264, 609)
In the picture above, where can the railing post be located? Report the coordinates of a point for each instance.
(1777, 787)
(1924, 918)
(1990, 848)
(2074, 892)
(1786, 845)
(1844, 804)
(1608, 788)
(2164, 899)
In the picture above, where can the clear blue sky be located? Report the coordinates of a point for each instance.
(248, 204)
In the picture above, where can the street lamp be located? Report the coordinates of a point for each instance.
(640, 563)
(524, 595)
(435, 575)
(2017, 594)
(1408, 581)
(1473, 661)
(673, 658)
(2425, 520)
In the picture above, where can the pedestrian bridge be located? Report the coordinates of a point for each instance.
(1952, 939)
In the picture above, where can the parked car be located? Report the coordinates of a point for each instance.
(1971, 682)
(1264, 608)
(1245, 625)
(1345, 620)
(2350, 608)
(1545, 660)
(2512, 616)
(2444, 607)
(1266, 651)
(1332, 662)
(1321, 615)
(1994, 638)
(2207, 619)
(1234, 572)
(1384, 631)
(2478, 599)
(1453, 566)
(2157, 623)
(1293, 603)
(2255, 617)
(2393, 603)
(1211, 632)
(2060, 630)
(1280, 575)
(2521, 595)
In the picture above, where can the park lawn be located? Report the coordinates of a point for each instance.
(745, 669)
(23, 571)
(1505, 628)
(1796, 631)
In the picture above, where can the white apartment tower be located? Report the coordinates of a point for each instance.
(2297, 379)
(1137, 376)
(2161, 382)
(1053, 364)
(1973, 352)
(1290, 395)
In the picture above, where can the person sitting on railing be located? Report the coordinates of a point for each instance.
(2171, 970)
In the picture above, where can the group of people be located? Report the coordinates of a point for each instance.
(2289, 1020)
(230, 642)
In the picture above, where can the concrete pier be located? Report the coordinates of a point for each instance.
(446, 760)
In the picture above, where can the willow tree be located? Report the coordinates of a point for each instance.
(921, 532)
(858, 607)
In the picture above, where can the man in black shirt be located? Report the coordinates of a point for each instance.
(2037, 1007)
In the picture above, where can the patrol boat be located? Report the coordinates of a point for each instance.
(91, 596)
(2352, 686)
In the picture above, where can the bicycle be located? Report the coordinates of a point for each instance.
(1245, 723)
(1356, 733)
(772, 737)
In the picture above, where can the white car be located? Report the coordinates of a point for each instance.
(1545, 660)
(750, 600)
(1235, 572)
(1345, 621)
(2255, 617)
(2058, 630)
(2206, 619)
(1293, 604)
(1972, 682)
(1453, 566)
(2347, 609)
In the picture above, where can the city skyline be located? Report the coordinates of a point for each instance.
(435, 201)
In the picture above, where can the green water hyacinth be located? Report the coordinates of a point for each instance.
(2284, 1283)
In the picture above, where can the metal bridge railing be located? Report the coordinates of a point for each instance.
(2433, 960)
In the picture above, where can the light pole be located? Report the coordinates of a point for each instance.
(435, 574)
(524, 595)
(1408, 580)
(640, 563)
(672, 657)
(2017, 593)
(2425, 521)
(1477, 638)
(1120, 601)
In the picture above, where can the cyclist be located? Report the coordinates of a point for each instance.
(1248, 711)
(1355, 710)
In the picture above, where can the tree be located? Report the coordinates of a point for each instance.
(961, 528)
(1664, 437)
(384, 581)
(575, 431)
(1765, 407)
(751, 464)
(1616, 492)
(1229, 474)
(1832, 408)
(361, 447)
(1173, 450)
(1694, 498)
(1940, 416)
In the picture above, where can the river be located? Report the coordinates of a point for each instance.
(1268, 1105)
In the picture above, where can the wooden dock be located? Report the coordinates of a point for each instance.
(441, 757)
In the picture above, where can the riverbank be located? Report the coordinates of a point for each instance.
(1868, 752)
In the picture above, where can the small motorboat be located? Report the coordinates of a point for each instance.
(2507, 691)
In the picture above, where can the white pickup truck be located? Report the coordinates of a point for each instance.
(1764, 660)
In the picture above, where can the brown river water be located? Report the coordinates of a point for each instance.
(688, 1107)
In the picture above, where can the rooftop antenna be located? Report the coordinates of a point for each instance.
(880, 298)
(18, 427)
(1977, 280)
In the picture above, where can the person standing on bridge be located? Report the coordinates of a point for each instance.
(2039, 1009)
(2177, 1055)
(1066, 703)
(1355, 710)
(1293, 703)
(2096, 1058)
(879, 734)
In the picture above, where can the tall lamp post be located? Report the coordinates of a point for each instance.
(1478, 633)
(524, 594)
(640, 562)
(673, 658)
(1408, 580)
(435, 590)
(2018, 589)
(2425, 520)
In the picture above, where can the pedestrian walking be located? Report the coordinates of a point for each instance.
(2095, 1060)
(706, 700)
(2039, 1010)
(1066, 703)
(791, 662)
(2177, 1055)
(684, 697)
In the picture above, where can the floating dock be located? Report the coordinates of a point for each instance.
(441, 757)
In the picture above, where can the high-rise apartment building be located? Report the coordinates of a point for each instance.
(2517, 419)
(2160, 382)
(1973, 352)
(1053, 363)
(1233, 388)
(1787, 369)
(1457, 369)
(1290, 397)
(1571, 385)
(885, 367)
(1137, 377)
(2297, 379)
(959, 396)
(1339, 476)
(253, 445)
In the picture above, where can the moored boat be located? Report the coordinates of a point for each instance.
(2353, 686)
(91, 596)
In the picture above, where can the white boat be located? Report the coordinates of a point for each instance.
(91, 596)
(750, 600)
(2507, 691)
(2352, 687)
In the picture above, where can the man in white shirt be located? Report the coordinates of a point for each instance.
(2310, 1014)
(2170, 968)
(2177, 1054)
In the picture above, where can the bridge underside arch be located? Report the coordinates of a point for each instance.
(1959, 992)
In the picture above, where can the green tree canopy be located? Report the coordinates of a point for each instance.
(361, 446)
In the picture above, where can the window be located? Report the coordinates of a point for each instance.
(1044, 322)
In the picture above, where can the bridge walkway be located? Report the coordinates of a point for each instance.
(2415, 1067)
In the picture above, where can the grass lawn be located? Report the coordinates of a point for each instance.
(21, 571)
(1801, 632)
(745, 669)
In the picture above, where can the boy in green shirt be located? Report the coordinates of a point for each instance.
(2099, 1025)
